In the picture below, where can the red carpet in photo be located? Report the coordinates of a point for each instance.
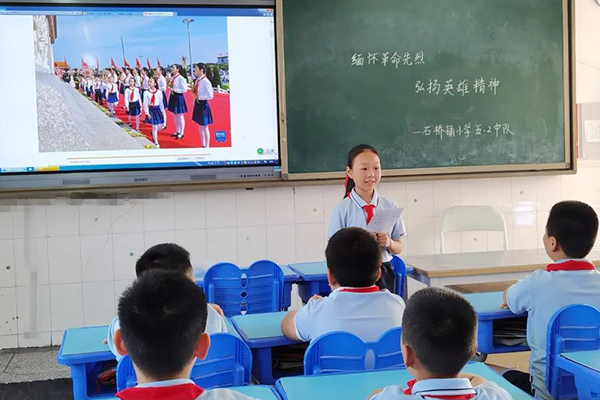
(221, 116)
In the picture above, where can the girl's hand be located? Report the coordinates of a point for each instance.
(384, 240)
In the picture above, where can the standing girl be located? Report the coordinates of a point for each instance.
(113, 95)
(132, 102)
(177, 100)
(161, 84)
(361, 199)
(154, 108)
(203, 91)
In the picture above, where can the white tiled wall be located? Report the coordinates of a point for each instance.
(84, 254)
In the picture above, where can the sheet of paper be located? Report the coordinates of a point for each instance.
(384, 220)
(592, 130)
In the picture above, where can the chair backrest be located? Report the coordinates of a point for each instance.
(337, 352)
(228, 363)
(473, 218)
(400, 271)
(572, 328)
(252, 290)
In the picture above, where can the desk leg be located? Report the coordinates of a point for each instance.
(261, 366)
(79, 377)
(435, 282)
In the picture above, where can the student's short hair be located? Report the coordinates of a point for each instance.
(162, 316)
(574, 225)
(165, 256)
(353, 257)
(440, 326)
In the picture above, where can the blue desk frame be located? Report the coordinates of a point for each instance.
(262, 347)
(587, 379)
(82, 364)
(487, 306)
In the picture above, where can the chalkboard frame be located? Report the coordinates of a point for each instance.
(570, 129)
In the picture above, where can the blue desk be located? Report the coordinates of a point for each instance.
(487, 306)
(82, 350)
(289, 278)
(313, 279)
(359, 385)
(585, 367)
(257, 391)
(262, 332)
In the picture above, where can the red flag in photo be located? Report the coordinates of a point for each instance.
(126, 63)
(148, 62)
(113, 63)
(158, 62)
(84, 64)
(137, 63)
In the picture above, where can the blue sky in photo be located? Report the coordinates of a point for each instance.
(165, 38)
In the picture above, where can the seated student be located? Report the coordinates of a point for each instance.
(570, 235)
(170, 257)
(356, 304)
(163, 316)
(439, 337)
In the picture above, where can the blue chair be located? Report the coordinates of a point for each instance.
(252, 290)
(337, 352)
(572, 328)
(400, 271)
(228, 363)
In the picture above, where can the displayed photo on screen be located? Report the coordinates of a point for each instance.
(131, 87)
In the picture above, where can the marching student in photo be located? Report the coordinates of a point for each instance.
(113, 95)
(123, 80)
(137, 77)
(161, 84)
(203, 91)
(144, 73)
(177, 100)
(105, 84)
(98, 89)
(155, 109)
(133, 103)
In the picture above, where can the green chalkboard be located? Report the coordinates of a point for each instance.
(429, 83)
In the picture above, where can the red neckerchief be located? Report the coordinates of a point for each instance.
(132, 93)
(152, 98)
(369, 208)
(571, 265)
(412, 382)
(370, 289)
(197, 82)
(186, 391)
(173, 80)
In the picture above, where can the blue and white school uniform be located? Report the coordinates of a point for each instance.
(351, 212)
(132, 101)
(453, 388)
(161, 84)
(214, 324)
(123, 82)
(202, 113)
(113, 93)
(98, 88)
(364, 312)
(541, 295)
(178, 389)
(177, 100)
(154, 107)
(144, 85)
(138, 81)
